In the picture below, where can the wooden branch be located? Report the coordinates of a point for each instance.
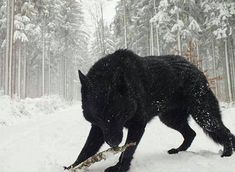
(100, 156)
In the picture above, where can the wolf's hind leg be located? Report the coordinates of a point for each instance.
(233, 142)
(188, 135)
(177, 120)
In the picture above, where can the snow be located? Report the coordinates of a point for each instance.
(161, 18)
(232, 8)
(15, 111)
(20, 36)
(220, 33)
(194, 26)
(45, 143)
(177, 26)
(163, 5)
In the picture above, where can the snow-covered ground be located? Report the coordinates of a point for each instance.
(45, 143)
(13, 111)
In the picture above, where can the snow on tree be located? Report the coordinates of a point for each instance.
(41, 29)
(51, 39)
(168, 26)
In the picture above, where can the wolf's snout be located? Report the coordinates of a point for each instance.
(113, 139)
(113, 144)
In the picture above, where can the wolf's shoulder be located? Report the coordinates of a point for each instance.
(166, 59)
(121, 58)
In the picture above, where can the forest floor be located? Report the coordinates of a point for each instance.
(45, 143)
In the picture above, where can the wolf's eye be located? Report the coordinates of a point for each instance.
(118, 114)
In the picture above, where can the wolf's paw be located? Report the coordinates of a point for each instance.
(227, 153)
(67, 168)
(116, 168)
(173, 151)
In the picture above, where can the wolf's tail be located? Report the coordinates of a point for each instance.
(233, 138)
(209, 118)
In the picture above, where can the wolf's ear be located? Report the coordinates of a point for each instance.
(83, 79)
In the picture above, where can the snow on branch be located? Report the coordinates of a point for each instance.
(194, 26)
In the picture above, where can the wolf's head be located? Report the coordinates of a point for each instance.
(108, 104)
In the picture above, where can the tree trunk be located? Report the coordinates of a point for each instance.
(49, 72)
(9, 47)
(43, 60)
(157, 29)
(214, 66)
(6, 91)
(1, 70)
(232, 66)
(228, 70)
(19, 71)
(158, 42)
(199, 64)
(25, 76)
(14, 73)
(102, 29)
(125, 24)
(178, 33)
(64, 76)
(151, 39)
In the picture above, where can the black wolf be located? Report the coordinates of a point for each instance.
(126, 90)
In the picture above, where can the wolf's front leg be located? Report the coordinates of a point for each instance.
(93, 143)
(135, 134)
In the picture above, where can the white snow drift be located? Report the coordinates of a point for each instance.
(15, 110)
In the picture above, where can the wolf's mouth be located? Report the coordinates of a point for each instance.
(113, 144)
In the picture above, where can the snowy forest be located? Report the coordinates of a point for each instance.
(43, 43)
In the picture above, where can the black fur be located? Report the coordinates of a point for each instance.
(125, 90)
